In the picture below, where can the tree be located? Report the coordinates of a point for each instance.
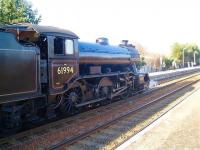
(141, 62)
(167, 63)
(190, 51)
(16, 11)
(177, 51)
(142, 52)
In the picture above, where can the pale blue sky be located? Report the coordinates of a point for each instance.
(155, 24)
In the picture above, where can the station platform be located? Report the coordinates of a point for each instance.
(179, 129)
(172, 73)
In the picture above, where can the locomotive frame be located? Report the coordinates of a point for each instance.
(42, 77)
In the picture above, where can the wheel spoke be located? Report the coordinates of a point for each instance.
(68, 108)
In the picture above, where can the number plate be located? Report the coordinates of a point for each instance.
(65, 70)
(62, 72)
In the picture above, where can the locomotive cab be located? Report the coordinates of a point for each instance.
(58, 54)
(62, 61)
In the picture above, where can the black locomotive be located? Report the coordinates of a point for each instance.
(45, 70)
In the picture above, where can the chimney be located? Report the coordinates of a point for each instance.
(102, 41)
(124, 42)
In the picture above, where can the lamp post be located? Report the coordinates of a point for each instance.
(194, 58)
(183, 56)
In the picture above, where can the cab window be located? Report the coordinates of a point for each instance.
(69, 47)
(63, 46)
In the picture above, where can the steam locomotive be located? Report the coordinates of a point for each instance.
(46, 70)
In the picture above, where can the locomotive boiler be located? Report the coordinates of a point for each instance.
(45, 71)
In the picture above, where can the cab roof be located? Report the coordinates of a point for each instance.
(45, 30)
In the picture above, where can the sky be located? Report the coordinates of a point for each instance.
(155, 24)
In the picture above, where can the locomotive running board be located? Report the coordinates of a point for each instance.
(90, 102)
(100, 99)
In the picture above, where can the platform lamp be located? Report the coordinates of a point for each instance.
(195, 57)
(184, 56)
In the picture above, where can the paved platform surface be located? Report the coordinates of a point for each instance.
(179, 129)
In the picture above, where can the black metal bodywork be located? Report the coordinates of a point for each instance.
(43, 69)
(19, 65)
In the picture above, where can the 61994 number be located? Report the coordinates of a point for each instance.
(65, 70)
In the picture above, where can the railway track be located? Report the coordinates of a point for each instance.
(70, 130)
(118, 132)
(103, 137)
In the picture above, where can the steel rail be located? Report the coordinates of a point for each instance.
(86, 134)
